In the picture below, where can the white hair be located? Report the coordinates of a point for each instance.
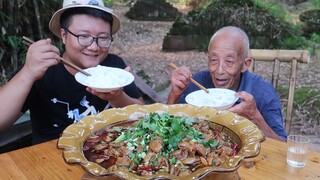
(239, 33)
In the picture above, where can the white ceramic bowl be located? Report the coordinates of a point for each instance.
(217, 98)
(105, 79)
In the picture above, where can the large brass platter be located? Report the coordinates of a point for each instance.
(240, 129)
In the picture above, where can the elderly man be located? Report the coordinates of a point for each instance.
(228, 65)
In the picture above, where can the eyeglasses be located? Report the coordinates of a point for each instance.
(87, 40)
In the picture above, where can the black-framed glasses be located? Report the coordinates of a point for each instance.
(87, 40)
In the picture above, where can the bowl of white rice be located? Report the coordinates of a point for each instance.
(218, 98)
(105, 79)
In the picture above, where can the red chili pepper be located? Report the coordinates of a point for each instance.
(144, 168)
(93, 140)
(235, 146)
(216, 131)
(100, 156)
(232, 153)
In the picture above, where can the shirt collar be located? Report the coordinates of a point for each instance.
(246, 82)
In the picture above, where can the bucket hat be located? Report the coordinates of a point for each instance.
(54, 23)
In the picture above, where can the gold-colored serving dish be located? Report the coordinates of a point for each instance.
(240, 129)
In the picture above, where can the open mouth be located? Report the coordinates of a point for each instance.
(91, 55)
(221, 82)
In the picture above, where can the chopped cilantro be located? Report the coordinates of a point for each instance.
(142, 155)
(171, 129)
(172, 160)
(124, 136)
(210, 143)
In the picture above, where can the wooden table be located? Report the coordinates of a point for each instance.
(45, 161)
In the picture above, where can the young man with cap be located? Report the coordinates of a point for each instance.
(48, 88)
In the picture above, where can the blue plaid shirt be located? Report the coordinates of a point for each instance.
(266, 97)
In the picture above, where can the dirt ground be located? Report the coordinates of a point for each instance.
(139, 43)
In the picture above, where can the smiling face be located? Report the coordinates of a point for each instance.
(85, 56)
(226, 59)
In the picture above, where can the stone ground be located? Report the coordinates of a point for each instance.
(139, 43)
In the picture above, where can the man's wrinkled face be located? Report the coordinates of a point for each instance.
(225, 63)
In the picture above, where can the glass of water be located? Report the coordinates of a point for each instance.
(297, 150)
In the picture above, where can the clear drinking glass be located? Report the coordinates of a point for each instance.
(297, 150)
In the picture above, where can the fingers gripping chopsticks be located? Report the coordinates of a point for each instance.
(28, 42)
(192, 80)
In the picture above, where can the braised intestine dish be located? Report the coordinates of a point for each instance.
(159, 142)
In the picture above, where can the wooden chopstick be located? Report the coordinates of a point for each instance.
(192, 80)
(28, 42)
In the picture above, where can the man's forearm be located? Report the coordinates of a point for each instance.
(172, 98)
(264, 127)
(12, 95)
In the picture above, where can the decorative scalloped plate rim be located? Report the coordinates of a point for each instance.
(73, 137)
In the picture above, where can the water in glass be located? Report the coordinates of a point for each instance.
(296, 156)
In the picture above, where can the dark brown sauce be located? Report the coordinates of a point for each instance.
(88, 148)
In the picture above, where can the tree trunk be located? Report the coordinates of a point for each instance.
(15, 9)
(36, 11)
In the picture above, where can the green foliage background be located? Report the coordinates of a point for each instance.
(267, 24)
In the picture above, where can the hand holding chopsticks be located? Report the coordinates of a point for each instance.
(192, 80)
(28, 42)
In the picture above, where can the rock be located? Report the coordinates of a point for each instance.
(155, 10)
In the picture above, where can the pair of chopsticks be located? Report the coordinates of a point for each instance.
(192, 80)
(28, 42)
